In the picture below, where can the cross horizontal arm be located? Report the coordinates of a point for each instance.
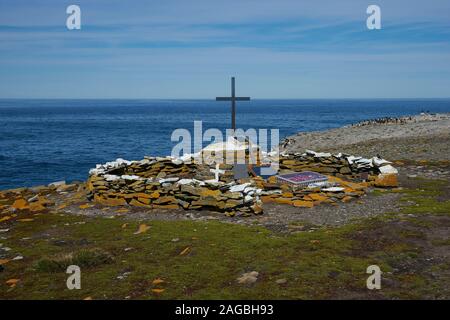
(231, 99)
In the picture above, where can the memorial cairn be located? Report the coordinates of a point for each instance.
(303, 180)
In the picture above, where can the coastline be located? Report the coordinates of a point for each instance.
(421, 137)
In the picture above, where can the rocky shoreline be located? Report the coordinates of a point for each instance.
(420, 137)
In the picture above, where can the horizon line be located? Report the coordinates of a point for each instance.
(213, 99)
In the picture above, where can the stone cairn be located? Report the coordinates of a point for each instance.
(171, 184)
(174, 183)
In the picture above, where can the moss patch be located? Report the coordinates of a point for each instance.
(84, 258)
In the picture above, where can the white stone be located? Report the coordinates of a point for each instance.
(318, 184)
(239, 187)
(213, 182)
(388, 170)
(333, 189)
(187, 157)
(116, 164)
(270, 192)
(166, 180)
(252, 191)
(96, 172)
(34, 198)
(379, 162)
(318, 154)
(351, 159)
(102, 168)
(111, 177)
(248, 198)
(177, 161)
(249, 189)
(185, 181)
(323, 155)
(364, 161)
(199, 182)
(130, 177)
(57, 184)
(248, 278)
(231, 144)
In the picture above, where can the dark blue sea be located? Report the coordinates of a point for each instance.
(48, 140)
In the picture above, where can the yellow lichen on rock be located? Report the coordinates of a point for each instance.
(386, 181)
(317, 197)
(303, 204)
(136, 203)
(37, 206)
(20, 204)
(346, 199)
(210, 193)
(283, 201)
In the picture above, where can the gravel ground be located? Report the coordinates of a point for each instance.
(280, 218)
(423, 137)
(287, 218)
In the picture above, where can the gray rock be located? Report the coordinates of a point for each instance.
(57, 184)
(281, 281)
(248, 278)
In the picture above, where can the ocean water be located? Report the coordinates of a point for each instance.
(42, 141)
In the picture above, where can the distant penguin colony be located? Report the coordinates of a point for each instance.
(390, 120)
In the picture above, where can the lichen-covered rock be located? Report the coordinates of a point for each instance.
(302, 203)
(20, 204)
(386, 181)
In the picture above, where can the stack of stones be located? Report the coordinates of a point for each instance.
(184, 183)
(166, 183)
(334, 191)
(377, 172)
(35, 199)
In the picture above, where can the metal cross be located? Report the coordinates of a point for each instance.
(233, 100)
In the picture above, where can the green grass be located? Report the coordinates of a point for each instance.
(219, 253)
(84, 258)
(425, 198)
(316, 265)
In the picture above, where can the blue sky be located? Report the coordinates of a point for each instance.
(190, 48)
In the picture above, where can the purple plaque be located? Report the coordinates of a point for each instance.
(301, 178)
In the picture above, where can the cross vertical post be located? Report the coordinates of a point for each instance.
(233, 100)
(233, 104)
